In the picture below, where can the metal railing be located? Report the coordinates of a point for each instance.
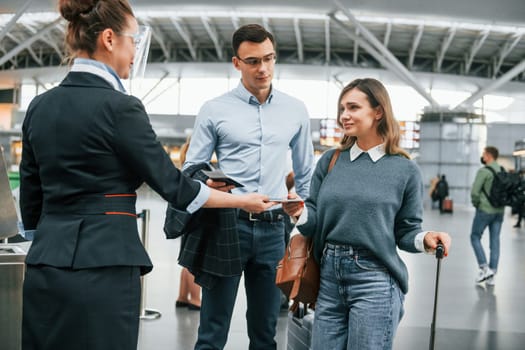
(145, 313)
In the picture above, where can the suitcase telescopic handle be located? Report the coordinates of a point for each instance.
(440, 250)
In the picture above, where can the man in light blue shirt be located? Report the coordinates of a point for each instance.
(251, 129)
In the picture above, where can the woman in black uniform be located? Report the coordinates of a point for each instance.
(87, 146)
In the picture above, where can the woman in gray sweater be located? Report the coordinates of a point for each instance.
(358, 213)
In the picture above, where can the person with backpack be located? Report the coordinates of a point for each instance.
(520, 203)
(487, 215)
(441, 191)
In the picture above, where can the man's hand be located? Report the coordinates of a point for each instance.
(218, 185)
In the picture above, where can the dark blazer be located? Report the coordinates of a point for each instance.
(86, 149)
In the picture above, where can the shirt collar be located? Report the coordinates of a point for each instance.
(375, 153)
(100, 69)
(247, 96)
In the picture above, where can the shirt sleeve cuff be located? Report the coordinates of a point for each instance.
(303, 218)
(27, 234)
(200, 199)
(418, 241)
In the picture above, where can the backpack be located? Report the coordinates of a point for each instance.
(507, 189)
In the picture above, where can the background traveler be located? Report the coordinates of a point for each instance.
(369, 203)
(520, 206)
(87, 147)
(189, 291)
(432, 191)
(251, 130)
(441, 191)
(486, 216)
(520, 209)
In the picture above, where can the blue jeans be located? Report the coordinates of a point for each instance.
(359, 304)
(480, 222)
(262, 246)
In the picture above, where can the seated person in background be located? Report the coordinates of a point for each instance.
(189, 291)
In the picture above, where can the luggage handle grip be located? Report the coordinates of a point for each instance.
(440, 250)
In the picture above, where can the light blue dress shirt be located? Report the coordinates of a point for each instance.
(251, 141)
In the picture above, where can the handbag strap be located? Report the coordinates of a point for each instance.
(334, 159)
(310, 243)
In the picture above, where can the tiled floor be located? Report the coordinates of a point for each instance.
(469, 316)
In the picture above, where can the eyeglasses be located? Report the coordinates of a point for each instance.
(255, 61)
(136, 37)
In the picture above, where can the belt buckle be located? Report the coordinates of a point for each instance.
(251, 218)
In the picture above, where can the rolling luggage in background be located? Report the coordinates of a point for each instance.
(439, 255)
(300, 328)
(448, 205)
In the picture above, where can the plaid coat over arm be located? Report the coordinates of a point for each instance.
(210, 244)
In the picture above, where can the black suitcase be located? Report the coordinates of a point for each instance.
(300, 328)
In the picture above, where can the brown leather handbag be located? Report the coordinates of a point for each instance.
(298, 272)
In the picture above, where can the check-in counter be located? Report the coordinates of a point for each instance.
(12, 268)
(12, 257)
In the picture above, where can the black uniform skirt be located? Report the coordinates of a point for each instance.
(88, 309)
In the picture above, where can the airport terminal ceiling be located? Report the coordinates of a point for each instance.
(472, 39)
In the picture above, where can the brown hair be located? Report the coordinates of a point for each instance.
(250, 32)
(493, 151)
(87, 18)
(388, 127)
(183, 150)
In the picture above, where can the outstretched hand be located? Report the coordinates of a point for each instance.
(432, 239)
(293, 209)
(256, 203)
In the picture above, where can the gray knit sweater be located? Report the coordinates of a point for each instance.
(376, 206)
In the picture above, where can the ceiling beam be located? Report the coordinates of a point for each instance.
(39, 83)
(235, 21)
(159, 37)
(52, 42)
(27, 43)
(415, 44)
(14, 63)
(13, 19)
(214, 36)
(298, 39)
(266, 24)
(505, 50)
(399, 68)
(338, 82)
(388, 32)
(516, 70)
(370, 49)
(185, 34)
(327, 44)
(163, 91)
(476, 45)
(164, 76)
(356, 47)
(445, 44)
(29, 49)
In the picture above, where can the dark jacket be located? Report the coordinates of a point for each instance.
(86, 149)
(210, 243)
